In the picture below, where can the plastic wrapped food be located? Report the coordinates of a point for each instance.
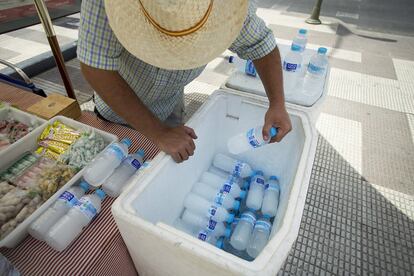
(53, 178)
(5, 188)
(12, 202)
(18, 167)
(28, 178)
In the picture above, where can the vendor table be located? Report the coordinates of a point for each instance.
(100, 249)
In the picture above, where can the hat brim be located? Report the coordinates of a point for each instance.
(143, 40)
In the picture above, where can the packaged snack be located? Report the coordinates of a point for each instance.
(53, 178)
(18, 167)
(5, 188)
(12, 202)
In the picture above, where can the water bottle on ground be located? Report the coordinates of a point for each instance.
(218, 172)
(301, 39)
(105, 163)
(202, 206)
(241, 235)
(66, 200)
(230, 185)
(259, 237)
(292, 70)
(256, 191)
(271, 197)
(216, 196)
(71, 225)
(245, 66)
(233, 166)
(249, 140)
(315, 74)
(115, 182)
(201, 222)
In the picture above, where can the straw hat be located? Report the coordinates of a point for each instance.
(176, 34)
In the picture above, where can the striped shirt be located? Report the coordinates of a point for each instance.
(159, 89)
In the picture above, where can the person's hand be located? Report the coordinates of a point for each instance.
(276, 116)
(177, 142)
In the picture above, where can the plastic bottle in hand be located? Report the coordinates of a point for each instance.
(271, 197)
(249, 140)
(230, 185)
(259, 237)
(301, 39)
(216, 195)
(201, 222)
(105, 163)
(39, 228)
(241, 235)
(292, 69)
(245, 66)
(71, 225)
(115, 182)
(233, 166)
(315, 74)
(256, 191)
(201, 206)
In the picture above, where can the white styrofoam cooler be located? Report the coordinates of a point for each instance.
(153, 200)
(239, 81)
(29, 143)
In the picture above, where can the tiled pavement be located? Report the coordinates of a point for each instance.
(359, 212)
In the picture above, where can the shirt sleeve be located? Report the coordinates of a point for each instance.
(97, 44)
(255, 39)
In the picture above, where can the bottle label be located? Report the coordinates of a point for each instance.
(212, 210)
(260, 224)
(314, 69)
(238, 168)
(272, 187)
(211, 225)
(202, 235)
(226, 188)
(117, 151)
(290, 67)
(85, 205)
(135, 163)
(251, 137)
(69, 198)
(249, 69)
(220, 197)
(248, 217)
(260, 181)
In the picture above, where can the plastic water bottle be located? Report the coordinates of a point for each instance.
(202, 206)
(218, 172)
(105, 163)
(113, 185)
(241, 235)
(271, 197)
(259, 237)
(201, 222)
(233, 166)
(292, 69)
(66, 200)
(231, 185)
(301, 39)
(249, 140)
(315, 74)
(201, 234)
(216, 195)
(256, 191)
(71, 225)
(245, 66)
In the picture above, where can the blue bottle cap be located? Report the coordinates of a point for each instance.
(322, 50)
(227, 232)
(231, 59)
(273, 177)
(303, 31)
(141, 152)
(220, 243)
(100, 194)
(230, 219)
(265, 216)
(236, 205)
(127, 142)
(259, 173)
(84, 185)
(273, 132)
(246, 184)
(295, 48)
(243, 194)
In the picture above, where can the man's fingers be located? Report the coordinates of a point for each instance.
(177, 158)
(266, 131)
(281, 132)
(184, 155)
(190, 132)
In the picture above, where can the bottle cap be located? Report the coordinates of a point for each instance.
(273, 132)
(140, 152)
(231, 59)
(266, 216)
(246, 184)
(84, 185)
(259, 173)
(219, 243)
(236, 205)
(227, 232)
(322, 50)
(295, 48)
(230, 219)
(243, 194)
(273, 177)
(100, 194)
(127, 142)
(303, 31)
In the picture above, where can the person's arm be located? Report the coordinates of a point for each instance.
(270, 72)
(112, 88)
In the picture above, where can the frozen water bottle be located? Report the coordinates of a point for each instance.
(202, 206)
(259, 237)
(66, 200)
(233, 166)
(241, 235)
(231, 185)
(245, 66)
(301, 39)
(256, 191)
(70, 225)
(291, 69)
(315, 74)
(197, 232)
(201, 222)
(105, 163)
(115, 182)
(218, 172)
(251, 139)
(216, 195)
(271, 197)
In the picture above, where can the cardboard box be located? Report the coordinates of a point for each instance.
(56, 104)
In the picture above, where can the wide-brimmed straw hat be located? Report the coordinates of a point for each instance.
(176, 34)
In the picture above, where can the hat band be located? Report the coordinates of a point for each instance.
(185, 32)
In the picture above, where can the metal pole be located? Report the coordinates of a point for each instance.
(314, 18)
(54, 45)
